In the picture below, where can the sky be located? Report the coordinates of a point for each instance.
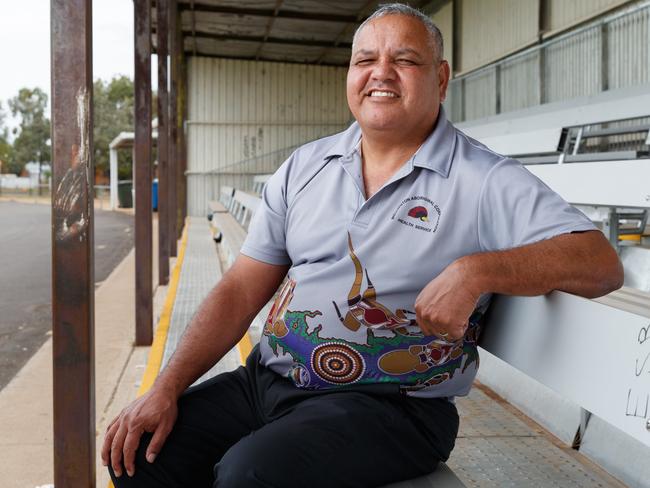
(25, 44)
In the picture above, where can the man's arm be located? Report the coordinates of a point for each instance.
(582, 263)
(220, 322)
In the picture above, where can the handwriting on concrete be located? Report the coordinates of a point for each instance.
(638, 395)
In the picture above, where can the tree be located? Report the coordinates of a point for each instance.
(32, 143)
(8, 163)
(113, 113)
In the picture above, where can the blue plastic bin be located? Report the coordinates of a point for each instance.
(154, 194)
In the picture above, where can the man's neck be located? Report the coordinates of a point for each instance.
(386, 152)
(384, 157)
(381, 159)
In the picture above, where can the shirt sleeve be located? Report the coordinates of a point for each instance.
(266, 238)
(516, 208)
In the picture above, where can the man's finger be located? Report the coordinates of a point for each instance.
(108, 442)
(108, 427)
(130, 446)
(157, 441)
(116, 449)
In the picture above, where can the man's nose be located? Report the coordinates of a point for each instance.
(383, 69)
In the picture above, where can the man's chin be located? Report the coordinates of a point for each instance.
(383, 124)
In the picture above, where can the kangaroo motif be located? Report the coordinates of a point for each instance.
(364, 309)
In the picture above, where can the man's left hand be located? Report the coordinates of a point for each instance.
(444, 306)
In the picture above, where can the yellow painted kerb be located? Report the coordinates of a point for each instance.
(159, 340)
(244, 347)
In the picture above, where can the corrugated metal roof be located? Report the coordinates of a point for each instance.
(299, 31)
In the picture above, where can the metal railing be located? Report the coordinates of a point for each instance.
(609, 53)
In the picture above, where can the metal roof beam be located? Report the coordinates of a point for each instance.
(272, 40)
(269, 26)
(257, 12)
(261, 58)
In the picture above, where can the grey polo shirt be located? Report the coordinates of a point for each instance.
(346, 312)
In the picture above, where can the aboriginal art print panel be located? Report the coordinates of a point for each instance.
(399, 354)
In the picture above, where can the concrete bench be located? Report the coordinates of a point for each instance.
(229, 226)
(258, 183)
(216, 206)
(590, 352)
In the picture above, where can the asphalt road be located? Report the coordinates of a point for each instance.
(25, 275)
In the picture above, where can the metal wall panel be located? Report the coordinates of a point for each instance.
(573, 66)
(520, 87)
(480, 94)
(239, 110)
(454, 102)
(562, 14)
(443, 18)
(610, 53)
(492, 28)
(628, 42)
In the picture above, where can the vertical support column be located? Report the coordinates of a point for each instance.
(182, 127)
(143, 175)
(544, 15)
(499, 88)
(610, 227)
(543, 91)
(604, 57)
(457, 34)
(457, 47)
(173, 132)
(162, 7)
(72, 244)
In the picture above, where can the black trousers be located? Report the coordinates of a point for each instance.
(253, 428)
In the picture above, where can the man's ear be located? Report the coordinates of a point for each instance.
(444, 73)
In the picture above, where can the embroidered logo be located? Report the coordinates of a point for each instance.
(419, 213)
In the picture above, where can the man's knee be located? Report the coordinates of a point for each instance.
(249, 465)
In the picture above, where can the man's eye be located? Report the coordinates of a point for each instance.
(405, 62)
(363, 62)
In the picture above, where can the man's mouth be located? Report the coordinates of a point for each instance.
(382, 93)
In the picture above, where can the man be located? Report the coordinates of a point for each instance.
(394, 234)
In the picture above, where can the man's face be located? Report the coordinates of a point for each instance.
(393, 81)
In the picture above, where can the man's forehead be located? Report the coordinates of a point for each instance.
(403, 32)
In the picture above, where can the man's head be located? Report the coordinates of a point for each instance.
(397, 77)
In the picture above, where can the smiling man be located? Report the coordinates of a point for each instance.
(392, 236)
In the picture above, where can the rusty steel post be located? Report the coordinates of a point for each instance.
(173, 132)
(72, 244)
(182, 141)
(164, 237)
(143, 170)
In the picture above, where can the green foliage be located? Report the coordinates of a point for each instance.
(32, 142)
(113, 113)
(5, 147)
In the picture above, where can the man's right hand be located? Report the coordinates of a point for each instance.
(154, 412)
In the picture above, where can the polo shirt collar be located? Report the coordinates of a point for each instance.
(435, 153)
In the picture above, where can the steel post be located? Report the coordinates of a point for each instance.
(143, 175)
(72, 244)
(182, 149)
(173, 132)
(162, 7)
